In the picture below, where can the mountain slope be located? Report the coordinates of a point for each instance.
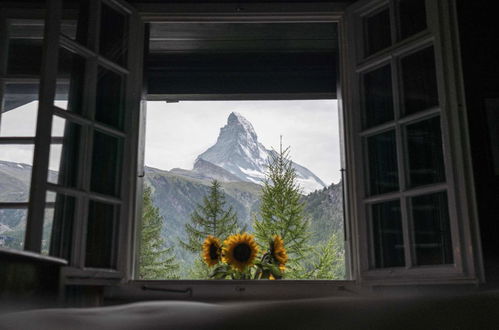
(238, 151)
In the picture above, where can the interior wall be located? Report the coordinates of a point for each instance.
(479, 39)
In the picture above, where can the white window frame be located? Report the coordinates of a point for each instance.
(441, 33)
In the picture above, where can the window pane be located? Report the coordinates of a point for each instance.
(70, 80)
(101, 235)
(75, 20)
(377, 32)
(412, 17)
(58, 225)
(48, 221)
(420, 90)
(432, 236)
(25, 47)
(113, 35)
(387, 235)
(383, 168)
(12, 228)
(106, 164)
(15, 172)
(109, 107)
(63, 162)
(378, 97)
(425, 152)
(20, 109)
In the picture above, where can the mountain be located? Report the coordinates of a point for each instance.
(239, 152)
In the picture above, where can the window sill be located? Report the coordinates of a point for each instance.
(11, 254)
(227, 290)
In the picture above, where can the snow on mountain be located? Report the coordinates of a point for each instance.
(239, 152)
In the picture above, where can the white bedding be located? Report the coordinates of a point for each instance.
(478, 311)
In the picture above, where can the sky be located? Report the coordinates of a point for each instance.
(176, 133)
(21, 122)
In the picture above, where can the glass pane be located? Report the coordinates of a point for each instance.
(420, 90)
(70, 81)
(58, 225)
(12, 228)
(63, 163)
(378, 97)
(432, 236)
(75, 20)
(20, 109)
(412, 17)
(383, 168)
(106, 164)
(425, 152)
(16, 162)
(48, 221)
(377, 32)
(25, 47)
(387, 235)
(113, 35)
(109, 104)
(101, 235)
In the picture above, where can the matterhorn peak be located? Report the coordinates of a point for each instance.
(239, 152)
(237, 120)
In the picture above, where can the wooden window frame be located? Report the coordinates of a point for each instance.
(440, 34)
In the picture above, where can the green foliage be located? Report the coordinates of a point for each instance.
(155, 260)
(326, 261)
(210, 218)
(282, 210)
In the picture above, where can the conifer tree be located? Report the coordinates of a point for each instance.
(281, 210)
(156, 261)
(210, 218)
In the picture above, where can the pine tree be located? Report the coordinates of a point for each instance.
(326, 261)
(281, 210)
(156, 261)
(210, 218)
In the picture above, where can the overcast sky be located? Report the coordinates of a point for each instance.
(22, 122)
(176, 133)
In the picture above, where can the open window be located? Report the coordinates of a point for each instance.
(220, 96)
(413, 220)
(70, 101)
(409, 209)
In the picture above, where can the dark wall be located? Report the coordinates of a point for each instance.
(242, 73)
(479, 36)
(27, 282)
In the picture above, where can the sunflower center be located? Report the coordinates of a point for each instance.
(213, 252)
(242, 252)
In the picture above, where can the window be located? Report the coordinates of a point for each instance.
(19, 81)
(74, 140)
(409, 206)
(408, 213)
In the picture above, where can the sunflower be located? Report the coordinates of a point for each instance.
(278, 252)
(211, 250)
(240, 251)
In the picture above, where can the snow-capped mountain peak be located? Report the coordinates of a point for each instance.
(239, 152)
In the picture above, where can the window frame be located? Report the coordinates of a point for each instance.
(440, 34)
(234, 288)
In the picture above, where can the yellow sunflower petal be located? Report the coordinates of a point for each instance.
(279, 251)
(240, 251)
(211, 250)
